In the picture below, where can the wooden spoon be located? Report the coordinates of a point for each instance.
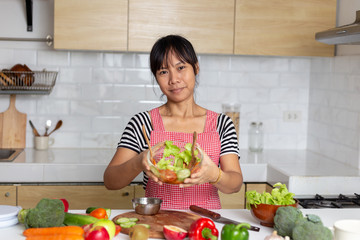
(193, 158)
(58, 125)
(148, 143)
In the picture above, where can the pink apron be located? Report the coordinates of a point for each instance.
(205, 195)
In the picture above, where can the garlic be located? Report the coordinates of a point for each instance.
(275, 236)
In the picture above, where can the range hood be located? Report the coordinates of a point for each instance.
(347, 34)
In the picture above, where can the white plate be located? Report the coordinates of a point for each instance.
(9, 222)
(8, 212)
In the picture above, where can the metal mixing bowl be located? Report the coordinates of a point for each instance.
(147, 206)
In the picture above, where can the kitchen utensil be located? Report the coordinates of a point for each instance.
(58, 125)
(163, 217)
(173, 175)
(217, 217)
(47, 126)
(12, 127)
(146, 206)
(193, 158)
(347, 229)
(148, 143)
(36, 133)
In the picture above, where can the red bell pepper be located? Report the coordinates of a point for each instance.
(202, 229)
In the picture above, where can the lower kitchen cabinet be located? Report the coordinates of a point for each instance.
(8, 195)
(78, 196)
(234, 200)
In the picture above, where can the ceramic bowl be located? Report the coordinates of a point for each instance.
(265, 213)
(347, 229)
(146, 206)
(171, 175)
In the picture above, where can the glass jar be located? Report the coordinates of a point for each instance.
(233, 111)
(256, 137)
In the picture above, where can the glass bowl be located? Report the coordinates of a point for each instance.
(174, 166)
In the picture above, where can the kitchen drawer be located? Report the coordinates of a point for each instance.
(8, 195)
(234, 200)
(78, 196)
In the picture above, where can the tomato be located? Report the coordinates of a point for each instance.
(117, 229)
(99, 213)
(168, 176)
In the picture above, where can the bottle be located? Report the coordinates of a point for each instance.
(256, 137)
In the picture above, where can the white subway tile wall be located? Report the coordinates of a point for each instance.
(96, 93)
(334, 123)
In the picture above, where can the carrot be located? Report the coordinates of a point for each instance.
(66, 230)
(55, 237)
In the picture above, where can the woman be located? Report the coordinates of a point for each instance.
(174, 65)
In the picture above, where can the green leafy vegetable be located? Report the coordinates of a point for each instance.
(47, 213)
(279, 196)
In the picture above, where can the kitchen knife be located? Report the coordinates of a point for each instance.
(217, 217)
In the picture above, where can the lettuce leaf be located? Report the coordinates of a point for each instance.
(278, 196)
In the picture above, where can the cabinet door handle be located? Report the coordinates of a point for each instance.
(7, 194)
(126, 194)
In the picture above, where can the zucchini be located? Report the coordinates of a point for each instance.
(90, 209)
(72, 219)
(182, 174)
(127, 224)
(122, 220)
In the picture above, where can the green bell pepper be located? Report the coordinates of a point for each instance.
(235, 232)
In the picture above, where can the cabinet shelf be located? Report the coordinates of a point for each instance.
(27, 83)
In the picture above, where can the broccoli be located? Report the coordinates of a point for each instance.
(311, 228)
(285, 220)
(47, 213)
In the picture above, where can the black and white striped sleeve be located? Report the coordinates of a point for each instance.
(228, 136)
(132, 137)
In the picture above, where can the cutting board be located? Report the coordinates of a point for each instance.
(12, 127)
(157, 221)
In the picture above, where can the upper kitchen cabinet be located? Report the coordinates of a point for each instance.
(208, 24)
(283, 28)
(91, 24)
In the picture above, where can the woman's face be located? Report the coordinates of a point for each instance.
(177, 79)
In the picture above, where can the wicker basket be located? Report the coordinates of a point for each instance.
(34, 82)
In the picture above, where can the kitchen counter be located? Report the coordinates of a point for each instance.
(328, 216)
(304, 172)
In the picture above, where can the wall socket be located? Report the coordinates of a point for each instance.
(292, 116)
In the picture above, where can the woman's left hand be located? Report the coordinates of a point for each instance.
(208, 172)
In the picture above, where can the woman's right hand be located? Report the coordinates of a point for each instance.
(146, 168)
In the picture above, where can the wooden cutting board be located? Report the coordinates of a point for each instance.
(163, 217)
(12, 127)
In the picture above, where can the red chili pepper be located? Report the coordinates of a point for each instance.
(203, 228)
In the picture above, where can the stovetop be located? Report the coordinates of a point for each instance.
(339, 201)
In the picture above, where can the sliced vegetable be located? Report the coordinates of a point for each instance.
(72, 219)
(66, 230)
(182, 174)
(127, 224)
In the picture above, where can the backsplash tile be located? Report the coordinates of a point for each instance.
(96, 93)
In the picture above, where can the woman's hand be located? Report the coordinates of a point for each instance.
(146, 167)
(208, 172)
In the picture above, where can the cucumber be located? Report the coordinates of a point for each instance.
(145, 225)
(155, 171)
(133, 219)
(182, 174)
(127, 224)
(90, 209)
(72, 219)
(122, 220)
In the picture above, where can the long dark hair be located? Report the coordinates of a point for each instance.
(176, 44)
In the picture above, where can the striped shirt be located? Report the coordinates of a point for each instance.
(133, 138)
